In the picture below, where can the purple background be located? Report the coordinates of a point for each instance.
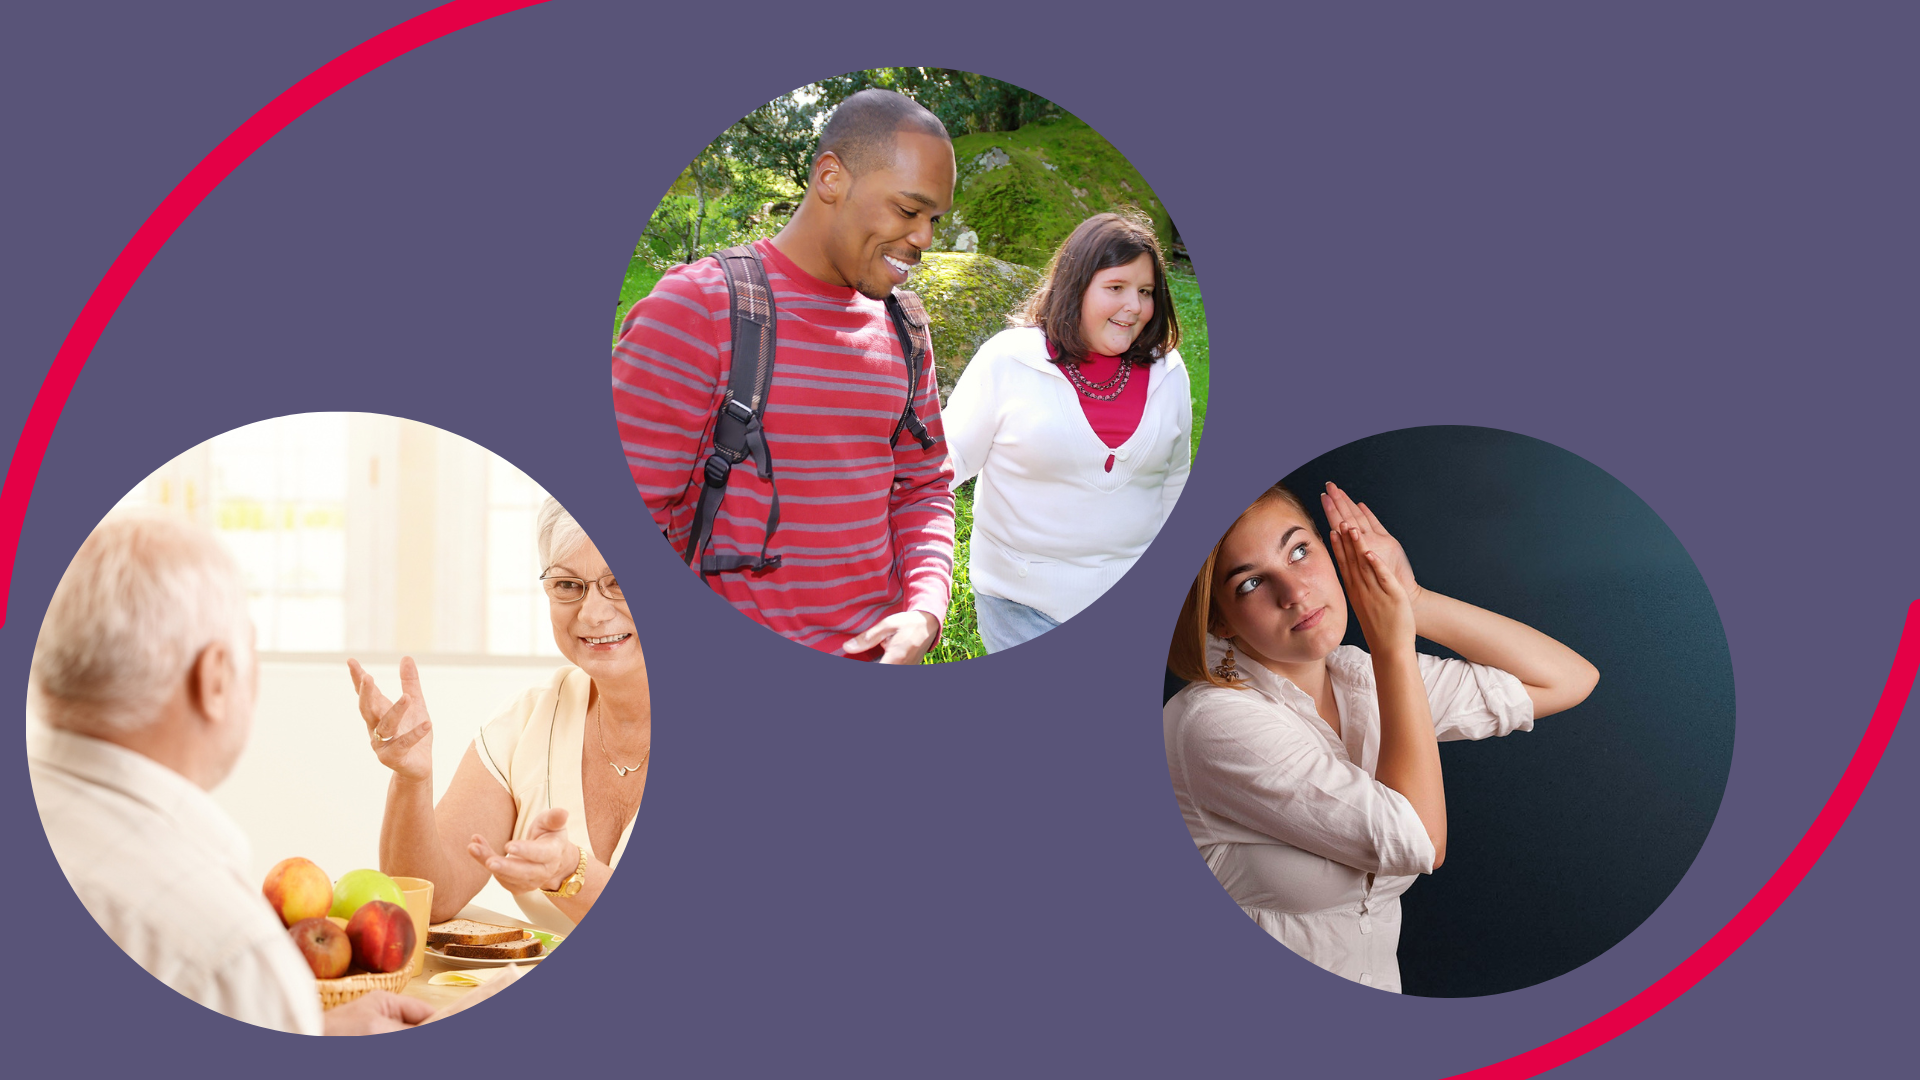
(1676, 242)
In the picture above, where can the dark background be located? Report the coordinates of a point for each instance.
(1675, 240)
(1560, 840)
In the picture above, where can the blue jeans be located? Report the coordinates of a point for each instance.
(1004, 624)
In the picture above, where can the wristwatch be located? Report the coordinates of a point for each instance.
(574, 881)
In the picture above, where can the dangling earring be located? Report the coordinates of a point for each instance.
(1224, 670)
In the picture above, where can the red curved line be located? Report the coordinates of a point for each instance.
(24, 468)
(1886, 717)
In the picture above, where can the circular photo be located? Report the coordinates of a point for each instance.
(910, 365)
(337, 724)
(1449, 711)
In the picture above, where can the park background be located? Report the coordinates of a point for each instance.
(1029, 172)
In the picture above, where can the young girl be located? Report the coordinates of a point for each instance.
(1308, 771)
(1076, 422)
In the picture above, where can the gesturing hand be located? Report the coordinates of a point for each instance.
(541, 860)
(907, 635)
(1342, 510)
(399, 731)
(1375, 595)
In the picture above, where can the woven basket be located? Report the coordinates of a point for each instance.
(342, 990)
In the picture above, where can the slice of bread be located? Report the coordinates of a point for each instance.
(505, 950)
(469, 932)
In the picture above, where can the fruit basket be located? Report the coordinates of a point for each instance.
(342, 990)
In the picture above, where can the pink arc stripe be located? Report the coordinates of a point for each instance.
(24, 469)
(1886, 717)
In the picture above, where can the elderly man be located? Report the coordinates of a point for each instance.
(843, 541)
(143, 680)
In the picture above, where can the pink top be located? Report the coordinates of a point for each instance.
(1114, 421)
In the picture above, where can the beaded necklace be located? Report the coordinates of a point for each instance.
(1101, 391)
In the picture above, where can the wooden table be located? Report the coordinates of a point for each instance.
(442, 996)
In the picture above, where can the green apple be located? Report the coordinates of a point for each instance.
(356, 887)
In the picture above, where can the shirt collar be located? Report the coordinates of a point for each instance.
(1349, 669)
(179, 800)
(802, 280)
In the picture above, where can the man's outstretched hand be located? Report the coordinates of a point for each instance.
(905, 637)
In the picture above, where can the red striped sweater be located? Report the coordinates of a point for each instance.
(866, 529)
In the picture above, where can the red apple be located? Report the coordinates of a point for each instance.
(298, 890)
(382, 936)
(324, 945)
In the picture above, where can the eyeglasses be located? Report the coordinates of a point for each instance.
(571, 590)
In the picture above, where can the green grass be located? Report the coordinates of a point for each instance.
(640, 280)
(961, 638)
(1193, 342)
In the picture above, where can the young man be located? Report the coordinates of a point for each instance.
(144, 679)
(865, 527)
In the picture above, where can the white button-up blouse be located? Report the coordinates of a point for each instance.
(1288, 815)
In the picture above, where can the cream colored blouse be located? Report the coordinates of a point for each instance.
(1288, 815)
(533, 748)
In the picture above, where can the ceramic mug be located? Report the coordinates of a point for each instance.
(418, 894)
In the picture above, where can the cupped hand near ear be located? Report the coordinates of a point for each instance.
(1374, 593)
(1341, 511)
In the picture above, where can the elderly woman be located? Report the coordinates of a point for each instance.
(545, 797)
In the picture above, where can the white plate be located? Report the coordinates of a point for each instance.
(551, 941)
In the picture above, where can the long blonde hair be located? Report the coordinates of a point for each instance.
(1187, 656)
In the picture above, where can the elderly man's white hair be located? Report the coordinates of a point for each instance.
(140, 600)
(558, 534)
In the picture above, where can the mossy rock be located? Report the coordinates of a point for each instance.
(1022, 192)
(968, 298)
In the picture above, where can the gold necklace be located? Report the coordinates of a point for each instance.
(600, 724)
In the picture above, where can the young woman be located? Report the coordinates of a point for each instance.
(1076, 422)
(1308, 771)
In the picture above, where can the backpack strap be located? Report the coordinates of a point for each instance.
(737, 431)
(916, 345)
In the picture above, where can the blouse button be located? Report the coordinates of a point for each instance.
(1121, 454)
(1023, 571)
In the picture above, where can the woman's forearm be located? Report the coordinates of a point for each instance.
(1556, 677)
(575, 907)
(1409, 752)
(410, 843)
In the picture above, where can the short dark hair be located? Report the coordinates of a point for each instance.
(860, 132)
(1101, 242)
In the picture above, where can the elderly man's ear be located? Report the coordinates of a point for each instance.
(213, 683)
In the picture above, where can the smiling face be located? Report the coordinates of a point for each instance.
(1276, 591)
(594, 633)
(1116, 306)
(884, 217)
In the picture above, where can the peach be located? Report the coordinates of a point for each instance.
(298, 890)
(382, 936)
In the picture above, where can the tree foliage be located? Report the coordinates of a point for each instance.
(743, 185)
(781, 133)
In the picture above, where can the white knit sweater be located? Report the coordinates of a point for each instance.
(1052, 529)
